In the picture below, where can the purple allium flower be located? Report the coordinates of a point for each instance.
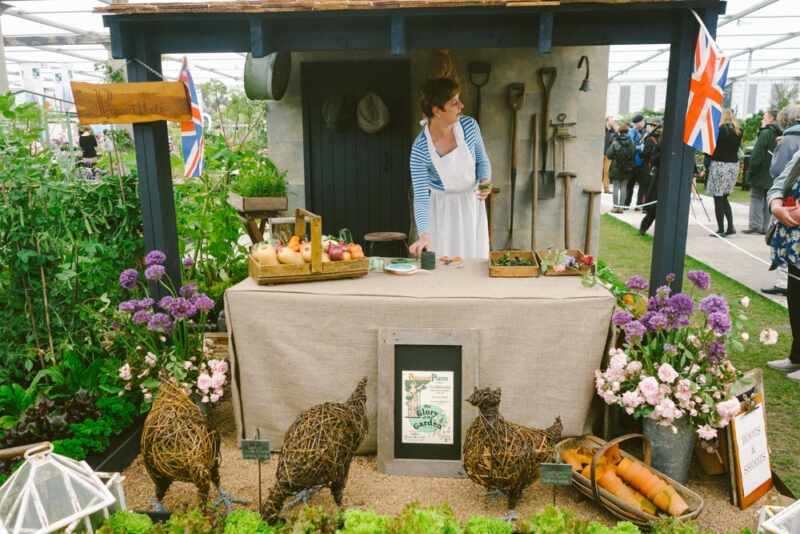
(141, 317)
(634, 330)
(700, 279)
(182, 308)
(716, 352)
(670, 278)
(657, 321)
(662, 293)
(636, 282)
(621, 317)
(128, 278)
(159, 322)
(719, 322)
(155, 257)
(165, 303)
(681, 303)
(188, 291)
(203, 303)
(154, 272)
(143, 304)
(188, 261)
(713, 303)
(128, 306)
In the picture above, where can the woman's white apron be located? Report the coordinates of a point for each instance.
(458, 217)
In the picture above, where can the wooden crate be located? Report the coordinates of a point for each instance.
(513, 271)
(257, 204)
(308, 272)
(609, 501)
(575, 253)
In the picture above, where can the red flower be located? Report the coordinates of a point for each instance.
(587, 260)
(789, 202)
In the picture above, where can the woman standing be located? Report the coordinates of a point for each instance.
(448, 164)
(723, 171)
(621, 154)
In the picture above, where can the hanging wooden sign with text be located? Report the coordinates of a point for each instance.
(125, 103)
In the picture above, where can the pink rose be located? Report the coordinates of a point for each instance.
(684, 391)
(728, 409)
(667, 410)
(633, 368)
(125, 372)
(204, 382)
(631, 400)
(648, 387)
(707, 432)
(618, 359)
(217, 380)
(666, 373)
(214, 397)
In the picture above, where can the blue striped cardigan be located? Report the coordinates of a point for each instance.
(424, 176)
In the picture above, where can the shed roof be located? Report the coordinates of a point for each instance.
(268, 6)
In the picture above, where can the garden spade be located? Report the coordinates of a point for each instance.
(479, 72)
(547, 178)
(516, 97)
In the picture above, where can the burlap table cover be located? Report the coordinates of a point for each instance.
(296, 345)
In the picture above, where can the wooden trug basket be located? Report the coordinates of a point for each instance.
(610, 502)
(308, 272)
(575, 253)
(513, 271)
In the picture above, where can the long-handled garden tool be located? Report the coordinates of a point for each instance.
(479, 72)
(516, 97)
(547, 178)
(534, 177)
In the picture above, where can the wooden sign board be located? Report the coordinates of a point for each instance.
(255, 449)
(751, 456)
(556, 474)
(125, 103)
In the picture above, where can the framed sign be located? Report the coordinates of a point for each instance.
(424, 377)
(122, 103)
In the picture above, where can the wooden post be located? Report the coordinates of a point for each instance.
(155, 174)
(675, 178)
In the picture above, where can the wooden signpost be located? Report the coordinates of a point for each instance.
(555, 475)
(256, 449)
(125, 103)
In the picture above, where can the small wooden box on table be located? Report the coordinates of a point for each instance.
(513, 271)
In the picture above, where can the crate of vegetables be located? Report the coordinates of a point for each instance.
(558, 262)
(306, 261)
(625, 486)
(513, 264)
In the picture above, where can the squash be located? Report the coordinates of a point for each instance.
(356, 252)
(305, 251)
(326, 258)
(265, 254)
(294, 243)
(346, 256)
(290, 257)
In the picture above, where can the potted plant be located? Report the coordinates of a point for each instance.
(672, 370)
(258, 185)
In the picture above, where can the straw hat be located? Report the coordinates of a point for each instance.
(372, 113)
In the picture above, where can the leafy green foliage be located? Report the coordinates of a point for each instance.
(416, 519)
(247, 522)
(487, 525)
(127, 523)
(364, 522)
(193, 521)
(259, 177)
(750, 128)
(552, 520)
(311, 520)
(675, 526)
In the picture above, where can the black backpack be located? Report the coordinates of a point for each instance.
(623, 156)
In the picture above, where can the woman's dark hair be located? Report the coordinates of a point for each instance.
(436, 93)
(623, 129)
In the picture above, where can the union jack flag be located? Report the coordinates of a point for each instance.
(706, 94)
(192, 131)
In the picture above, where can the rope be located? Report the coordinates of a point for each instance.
(624, 207)
(146, 66)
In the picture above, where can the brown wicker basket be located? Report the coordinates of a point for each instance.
(513, 271)
(578, 271)
(610, 502)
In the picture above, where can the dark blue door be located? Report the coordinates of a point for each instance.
(354, 179)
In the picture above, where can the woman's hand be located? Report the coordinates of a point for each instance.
(420, 244)
(484, 189)
(787, 216)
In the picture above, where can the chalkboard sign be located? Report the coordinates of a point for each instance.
(427, 402)
(751, 456)
(255, 449)
(556, 474)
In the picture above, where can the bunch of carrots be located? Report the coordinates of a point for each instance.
(628, 480)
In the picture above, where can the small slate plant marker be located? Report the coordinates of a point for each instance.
(256, 449)
(556, 475)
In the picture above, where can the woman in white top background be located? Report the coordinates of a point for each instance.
(450, 175)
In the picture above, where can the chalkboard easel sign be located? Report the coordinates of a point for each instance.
(424, 377)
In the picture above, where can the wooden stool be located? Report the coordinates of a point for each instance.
(384, 237)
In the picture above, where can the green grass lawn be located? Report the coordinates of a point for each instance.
(627, 254)
(738, 195)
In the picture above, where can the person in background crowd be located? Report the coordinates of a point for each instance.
(723, 171)
(88, 144)
(636, 134)
(621, 153)
(785, 245)
(787, 146)
(652, 156)
(611, 133)
(758, 175)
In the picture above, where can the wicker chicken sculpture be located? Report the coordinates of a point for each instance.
(318, 448)
(178, 444)
(504, 456)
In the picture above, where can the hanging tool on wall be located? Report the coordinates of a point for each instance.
(547, 178)
(534, 177)
(568, 177)
(479, 72)
(516, 97)
(587, 242)
(561, 134)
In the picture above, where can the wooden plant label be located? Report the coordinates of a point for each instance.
(124, 103)
(556, 474)
(255, 449)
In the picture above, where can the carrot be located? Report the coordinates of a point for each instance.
(653, 487)
(572, 457)
(613, 455)
(614, 485)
